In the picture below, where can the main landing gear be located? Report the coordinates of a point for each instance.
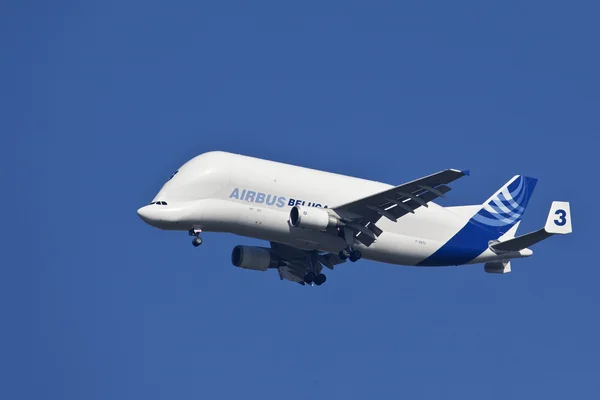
(350, 253)
(197, 240)
(312, 277)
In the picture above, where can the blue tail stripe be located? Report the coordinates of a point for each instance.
(504, 211)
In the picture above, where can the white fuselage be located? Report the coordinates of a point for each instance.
(223, 192)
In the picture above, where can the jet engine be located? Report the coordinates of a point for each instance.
(317, 219)
(256, 258)
(497, 267)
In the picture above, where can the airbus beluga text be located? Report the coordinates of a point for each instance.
(314, 219)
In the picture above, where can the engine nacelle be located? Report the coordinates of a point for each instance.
(317, 219)
(497, 267)
(256, 258)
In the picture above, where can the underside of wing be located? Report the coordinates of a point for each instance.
(297, 263)
(362, 215)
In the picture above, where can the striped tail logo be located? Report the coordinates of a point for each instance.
(506, 207)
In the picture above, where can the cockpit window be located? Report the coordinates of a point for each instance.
(159, 203)
(174, 173)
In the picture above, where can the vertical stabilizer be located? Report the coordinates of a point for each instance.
(506, 207)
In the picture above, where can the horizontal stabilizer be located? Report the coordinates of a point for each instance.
(559, 222)
(523, 241)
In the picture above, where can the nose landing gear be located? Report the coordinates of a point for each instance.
(197, 240)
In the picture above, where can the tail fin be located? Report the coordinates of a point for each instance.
(506, 207)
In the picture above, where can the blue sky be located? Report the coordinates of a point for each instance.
(102, 101)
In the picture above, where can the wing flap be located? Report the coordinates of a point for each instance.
(413, 204)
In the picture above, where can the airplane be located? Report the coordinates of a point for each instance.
(315, 220)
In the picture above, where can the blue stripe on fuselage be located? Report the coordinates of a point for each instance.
(468, 243)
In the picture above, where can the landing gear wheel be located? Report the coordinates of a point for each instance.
(310, 277)
(196, 241)
(344, 254)
(320, 279)
(355, 255)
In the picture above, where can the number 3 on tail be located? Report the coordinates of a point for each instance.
(562, 217)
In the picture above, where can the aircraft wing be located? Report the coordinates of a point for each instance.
(363, 214)
(299, 262)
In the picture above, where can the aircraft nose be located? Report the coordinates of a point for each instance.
(161, 216)
(145, 214)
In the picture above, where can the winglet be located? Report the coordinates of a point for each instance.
(466, 172)
(559, 218)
